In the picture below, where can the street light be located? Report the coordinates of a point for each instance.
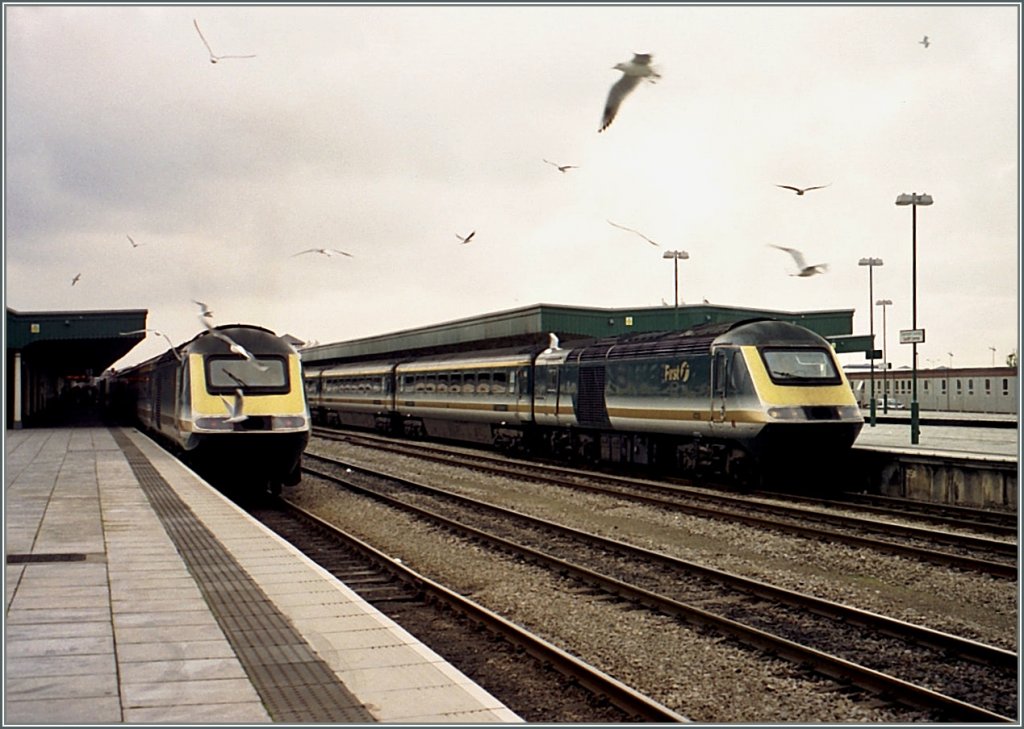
(993, 350)
(913, 199)
(884, 303)
(676, 255)
(871, 263)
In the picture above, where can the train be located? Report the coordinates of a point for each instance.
(230, 402)
(744, 401)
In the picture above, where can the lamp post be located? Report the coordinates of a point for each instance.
(949, 381)
(993, 350)
(676, 255)
(884, 303)
(913, 199)
(871, 263)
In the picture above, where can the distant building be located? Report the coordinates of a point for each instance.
(966, 389)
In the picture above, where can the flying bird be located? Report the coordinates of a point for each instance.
(75, 279)
(134, 244)
(623, 227)
(467, 239)
(924, 41)
(158, 333)
(239, 349)
(802, 190)
(632, 73)
(329, 252)
(235, 414)
(561, 168)
(803, 270)
(213, 56)
(206, 313)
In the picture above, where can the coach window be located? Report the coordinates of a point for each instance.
(483, 382)
(455, 382)
(499, 383)
(469, 383)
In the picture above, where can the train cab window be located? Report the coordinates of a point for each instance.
(800, 366)
(266, 375)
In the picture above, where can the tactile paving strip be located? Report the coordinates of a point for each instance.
(294, 684)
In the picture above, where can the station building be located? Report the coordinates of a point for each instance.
(53, 357)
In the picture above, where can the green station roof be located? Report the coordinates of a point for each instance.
(531, 325)
(73, 342)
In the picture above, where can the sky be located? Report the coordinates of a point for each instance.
(387, 131)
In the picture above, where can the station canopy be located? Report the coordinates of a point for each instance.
(73, 343)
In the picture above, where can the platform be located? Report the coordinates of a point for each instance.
(137, 593)
(982, 442)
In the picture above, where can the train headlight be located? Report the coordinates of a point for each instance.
(849, 411)
(287, 422)
(214, 424)
(786, 413)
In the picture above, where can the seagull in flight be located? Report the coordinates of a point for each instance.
(235, 414)
(623, 227)
(924, 41)
(213, 56)
(329, 252)
(158, 333)
(467, 239)
(802, 190)
(134, 244)
(206, 313)
(561, 168)
(632, 73)
(803, 270)
(239, 349)
(75, 279)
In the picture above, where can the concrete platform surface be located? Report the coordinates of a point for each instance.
(137, 593)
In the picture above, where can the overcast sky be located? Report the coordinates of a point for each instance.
(386, 131)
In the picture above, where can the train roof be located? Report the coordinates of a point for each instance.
(699, 339)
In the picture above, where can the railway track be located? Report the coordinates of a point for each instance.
(986, 554)
(953, 678)
(555, 686)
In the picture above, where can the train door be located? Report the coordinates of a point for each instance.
(719, 384)
(520, 386)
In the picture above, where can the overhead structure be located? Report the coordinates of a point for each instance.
(49, 353)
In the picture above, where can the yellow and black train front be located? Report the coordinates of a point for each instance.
(242, 409)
